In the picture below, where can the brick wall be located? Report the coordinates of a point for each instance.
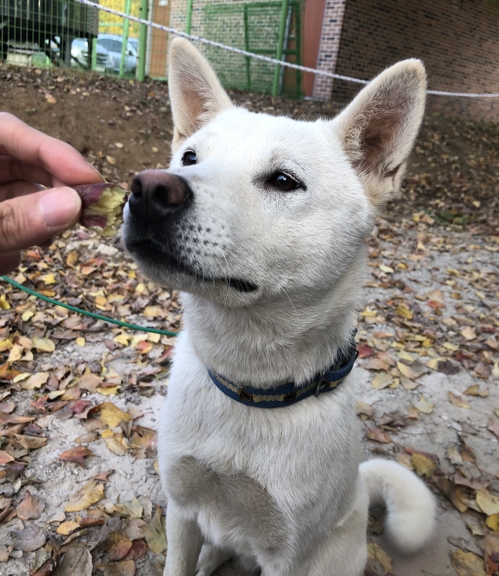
(458, 40)
(329, 46)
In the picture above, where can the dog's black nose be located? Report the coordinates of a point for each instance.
(157, 194)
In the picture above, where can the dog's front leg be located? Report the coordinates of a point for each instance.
(184, 543)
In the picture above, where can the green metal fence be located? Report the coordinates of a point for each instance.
(55, 33)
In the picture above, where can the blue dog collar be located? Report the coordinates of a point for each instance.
(287, 394)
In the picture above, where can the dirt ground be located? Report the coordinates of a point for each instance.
(428, 366)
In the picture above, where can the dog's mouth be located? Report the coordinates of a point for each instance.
(151, 253)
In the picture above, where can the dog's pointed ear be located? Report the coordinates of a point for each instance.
(379, 127)
(195, 92)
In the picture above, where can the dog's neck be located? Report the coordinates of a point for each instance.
(282, 340)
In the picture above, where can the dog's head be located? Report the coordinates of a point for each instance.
(254, 205)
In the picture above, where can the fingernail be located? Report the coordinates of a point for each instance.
(60, 207)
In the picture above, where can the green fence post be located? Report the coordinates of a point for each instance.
(124, 45)
(280, 45)
(141, 73)
(188, 20)
(94, 53)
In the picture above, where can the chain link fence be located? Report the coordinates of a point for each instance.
(55, 33)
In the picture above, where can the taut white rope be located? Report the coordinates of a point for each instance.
(152, 24)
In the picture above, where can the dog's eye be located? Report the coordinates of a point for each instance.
(283, 182)
(189, 158)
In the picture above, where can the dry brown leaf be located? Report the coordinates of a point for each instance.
(468, 333)
(76, 455)
(125, 568)
(117, 545)
(493, 522)
(29, 539)
(77, 561)
(30, 508)
(67, 527)
(458, 400)
(381, 380)
(475, 390)
(378, 435)
(155, 533)
(467, 563)
(5, 457)
(91, 493)
(407, 371)
(35, 381)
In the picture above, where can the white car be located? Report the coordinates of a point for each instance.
(79, 56)
(113, 44)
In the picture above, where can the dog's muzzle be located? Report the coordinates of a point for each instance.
(157, 194)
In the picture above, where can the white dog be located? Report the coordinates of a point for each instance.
(260, 222)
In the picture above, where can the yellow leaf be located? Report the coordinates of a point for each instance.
(111, 160)
(72, 258)
(122, 339)
(367, 313)
(90, 494)
(475, 390)
(4, 305)
(107, 433)
(467, 563)
(43, 344)
(468, 333)
(15, 354)
(403, 355)
(155, 533)
(386, 269)
(407, 371)
(381, 380)
(424, 406)
(35, 381)
(67, 527)
(109, 390)
(375, 552)
(403, 311)
(80, 341)
(495, 371)
(493, 522)
(116, 447)
(50, 99)
(151, 311)
(27, 315)
(112, 415)
(423, 465)
(450, 346)
(488, 503)
(6, 344)
(49, 279)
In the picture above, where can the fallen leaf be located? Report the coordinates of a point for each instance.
(467, 563)
(468, 333)
(30, 508)
(488, 503)
(125, 568)
(90, 494)
(29, 539)
(76, 455)
(378, 435)
(155, 533)
(375, 552)
(493, 522)
(423, 465)
(458, 400)
(381, 380)
(475, 390)
(424, 406)
(117, 545)
(67, 527)
(43, 344)
(77, 561)
(112, 415)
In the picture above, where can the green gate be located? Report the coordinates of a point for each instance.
(269, 28)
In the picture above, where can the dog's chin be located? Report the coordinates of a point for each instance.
(169, 271)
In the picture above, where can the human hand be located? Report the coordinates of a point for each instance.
(29, 215)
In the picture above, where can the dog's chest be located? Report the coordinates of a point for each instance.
(234, 506)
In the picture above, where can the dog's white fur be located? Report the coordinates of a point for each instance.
(281, 489)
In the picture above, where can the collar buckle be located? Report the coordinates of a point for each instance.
(321, 384)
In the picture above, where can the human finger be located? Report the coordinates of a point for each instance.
(59, 159)
(13, 169)
(29, 220)
(9, 262)
(10, 190)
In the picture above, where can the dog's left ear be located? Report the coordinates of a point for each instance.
(195, 91)
(379, 127)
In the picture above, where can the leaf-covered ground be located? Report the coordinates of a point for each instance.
(80, 399)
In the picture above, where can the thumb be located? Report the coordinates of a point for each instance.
(34, 218)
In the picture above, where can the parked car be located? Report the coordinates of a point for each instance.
(79, 56)
(113, 44)
(135, 44)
